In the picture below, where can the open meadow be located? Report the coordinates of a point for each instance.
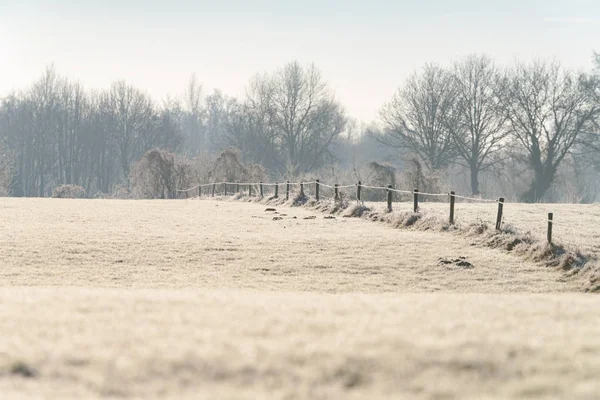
(222, 299)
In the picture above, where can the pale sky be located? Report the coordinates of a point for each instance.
(365, 49)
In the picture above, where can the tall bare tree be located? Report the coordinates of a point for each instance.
(132, 114)
(587, 149)
(595, 89)
(43, 100)
(194, 116)
(305, 116)
(73, 109)
(16, 135)
(217, 109)
(477, 124)
(263, 134)
(417, 117)
(547, 108)
(169, 134)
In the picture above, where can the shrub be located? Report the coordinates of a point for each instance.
(68, 192)
(341, 203)
(229, 167)
(158, 175)
(414, 176)
(357, 210)
(120, 192)
(379, 175)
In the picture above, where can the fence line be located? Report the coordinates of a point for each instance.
(355, 185)
(389, 190)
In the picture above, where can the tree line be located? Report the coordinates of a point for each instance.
(59, 133)
(472, 114)
(478, 115)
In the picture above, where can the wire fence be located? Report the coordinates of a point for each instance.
(336, 191)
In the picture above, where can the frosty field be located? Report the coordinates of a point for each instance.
(216, 299)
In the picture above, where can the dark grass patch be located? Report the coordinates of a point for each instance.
(460, 262)
(20, 368)
(299, 199)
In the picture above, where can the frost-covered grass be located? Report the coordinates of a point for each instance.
(205, 299)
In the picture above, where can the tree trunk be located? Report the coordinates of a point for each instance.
(474, 180)
(540, 185)
(42, 168)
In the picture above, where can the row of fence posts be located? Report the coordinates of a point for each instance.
(415, 193)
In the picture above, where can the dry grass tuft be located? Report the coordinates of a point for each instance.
(590, 272)
(477, 228)
(299, 199)
(411, 219)
(357, 210)
(339, 205)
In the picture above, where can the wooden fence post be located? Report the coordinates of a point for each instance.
(225, 188)
(260, 188)
(249, 190)
(277, 190)
(213, 189)
(317, 189)
(415, 200)
(302, 189)
(452, 198)
(499, 216)
(237, 187)
(336, 191)
(287, 190)
(550, 220)
(389, 198)
(358, 191)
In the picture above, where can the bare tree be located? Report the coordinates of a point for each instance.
(72, 112)
(227, 123)
(417, 117)
(17, 137)
(194, 116)
(594, 87)
(547, 108)
(260, 122)
(132, 112)
(587, 149)
(169, 135)
(104, 157)
(477, 124)
(43, 100)
(301, 115)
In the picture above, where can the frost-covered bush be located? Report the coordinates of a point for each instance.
(68, 192)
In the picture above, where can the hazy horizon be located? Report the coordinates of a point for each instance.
(365, 51)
